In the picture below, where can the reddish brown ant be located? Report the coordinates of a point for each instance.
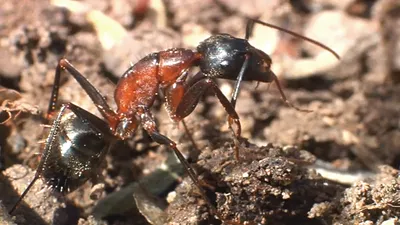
(220, 56)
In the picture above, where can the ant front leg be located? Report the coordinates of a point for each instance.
(173, 96)
(255, 54)
(149, 125)
(239, 79)
(192, 96)
(97, 123)
(245, 64)
(96, 97)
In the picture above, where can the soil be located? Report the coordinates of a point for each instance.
(335, 165)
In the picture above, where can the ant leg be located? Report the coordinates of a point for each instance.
(192, 97)
(275, 78)
(173, 95)
(239, 79)
(189, 134)
(149, 125)
(23, 194)
(93, 93)
(49, 142)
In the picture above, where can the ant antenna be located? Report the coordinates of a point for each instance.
(23, 194)
(249, 26)
(251, 22)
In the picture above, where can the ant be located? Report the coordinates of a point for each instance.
(220, 56)
(78, 142)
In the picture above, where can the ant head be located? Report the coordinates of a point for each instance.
(222, 55)
(259, 68)
(125, 128)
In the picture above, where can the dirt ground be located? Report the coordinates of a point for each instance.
(335, 165)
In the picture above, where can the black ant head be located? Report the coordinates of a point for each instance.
(223, 56)
(259, 68)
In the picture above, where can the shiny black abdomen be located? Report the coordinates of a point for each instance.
(73, 155)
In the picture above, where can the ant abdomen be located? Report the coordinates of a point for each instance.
(73, 151)
(73, 155)
(78, 142)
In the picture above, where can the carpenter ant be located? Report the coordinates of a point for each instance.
(220, 56)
